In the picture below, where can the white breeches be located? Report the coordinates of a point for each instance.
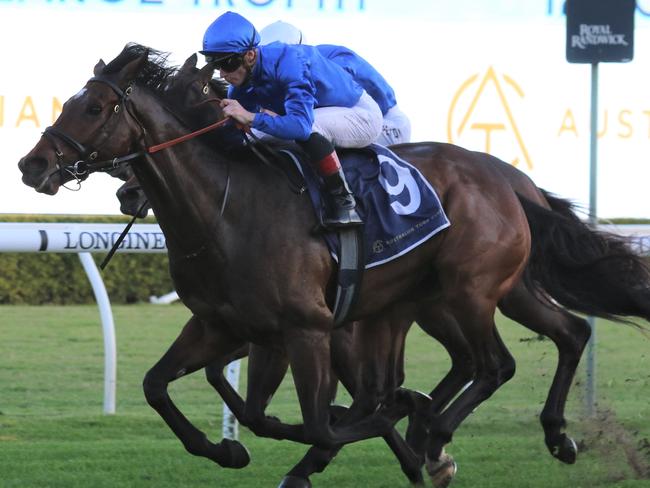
(396, 128)
(356, 126)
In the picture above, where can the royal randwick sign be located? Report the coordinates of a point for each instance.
(600, 31)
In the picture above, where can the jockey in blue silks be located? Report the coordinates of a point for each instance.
(292, 92)
(396, 127)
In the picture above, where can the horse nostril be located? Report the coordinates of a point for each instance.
(33, 165)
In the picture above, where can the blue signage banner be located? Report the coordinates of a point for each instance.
(435, 10)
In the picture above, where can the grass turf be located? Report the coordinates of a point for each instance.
(53, 432)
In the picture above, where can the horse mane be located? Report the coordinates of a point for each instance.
(155, 72)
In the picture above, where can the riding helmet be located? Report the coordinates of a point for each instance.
(230, 33)
(282, 32)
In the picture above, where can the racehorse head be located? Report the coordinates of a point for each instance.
(96, 124)
(196, 94)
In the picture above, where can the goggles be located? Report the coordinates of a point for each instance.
(227, 62)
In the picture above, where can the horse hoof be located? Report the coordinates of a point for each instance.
(442, 471)
(566, 450)
(294, 482)
(416, 479)
(237, 456)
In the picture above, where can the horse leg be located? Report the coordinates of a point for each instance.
(346, 363)
(308, 350)
(198, 345)
(493, 366)
(570, 334)
(442, 326)
(230, 396)
(266, 369)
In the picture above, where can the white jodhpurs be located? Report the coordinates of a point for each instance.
(396, 128)
(356, 126)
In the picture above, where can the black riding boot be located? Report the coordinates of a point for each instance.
(342, 205)
(341, 209)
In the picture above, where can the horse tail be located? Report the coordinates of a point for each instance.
(585, 270)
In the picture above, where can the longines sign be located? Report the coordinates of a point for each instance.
(73, 238)
(600, 31)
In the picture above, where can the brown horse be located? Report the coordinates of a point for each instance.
(248, 280)
(288, 309)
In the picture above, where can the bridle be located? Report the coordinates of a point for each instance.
(82, 168)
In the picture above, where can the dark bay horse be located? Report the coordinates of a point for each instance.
(282, 314)
(247, 279)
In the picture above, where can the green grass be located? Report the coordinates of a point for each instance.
(53, 432)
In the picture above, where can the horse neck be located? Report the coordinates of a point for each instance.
(182, 183)
(185, 185)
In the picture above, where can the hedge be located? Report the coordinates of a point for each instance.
(35, 279)
(30, 278)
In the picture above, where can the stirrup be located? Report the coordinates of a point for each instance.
(344, 218)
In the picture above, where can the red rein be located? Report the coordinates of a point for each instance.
(191, 135)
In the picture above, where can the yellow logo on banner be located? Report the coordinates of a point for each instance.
(487, 116)
(27, 116)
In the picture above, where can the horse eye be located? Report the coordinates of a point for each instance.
(206, 89)
(94, 109)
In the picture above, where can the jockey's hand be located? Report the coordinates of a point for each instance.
(232, 108)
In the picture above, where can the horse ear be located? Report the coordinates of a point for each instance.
(99, 67)
(189, 64)
(206, 73)
(132, 68)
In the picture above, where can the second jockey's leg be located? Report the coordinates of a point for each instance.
(396, 128)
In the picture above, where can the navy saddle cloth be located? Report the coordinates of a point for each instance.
(399, 207)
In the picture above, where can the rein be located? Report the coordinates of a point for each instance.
(81, 168)
(186, 137)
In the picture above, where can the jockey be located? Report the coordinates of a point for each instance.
(291, 92)
(396, 125)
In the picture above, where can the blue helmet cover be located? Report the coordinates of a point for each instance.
(230, 33)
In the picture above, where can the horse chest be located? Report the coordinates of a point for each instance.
(241, 311)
